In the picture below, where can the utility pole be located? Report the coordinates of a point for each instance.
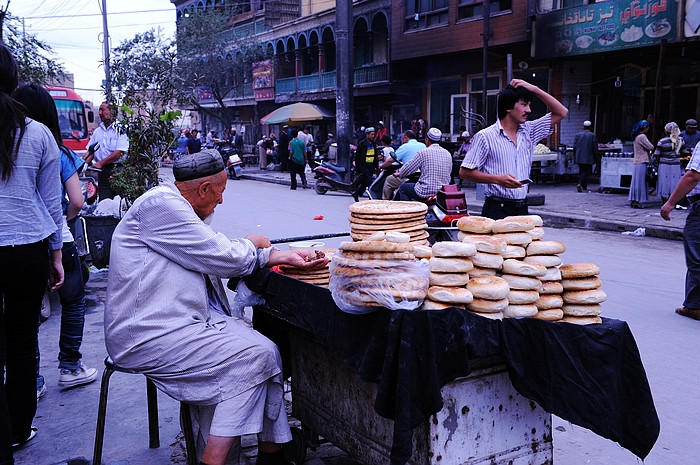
(105, 34)
(344, 79)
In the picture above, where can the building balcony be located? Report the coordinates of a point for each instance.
(369, 74)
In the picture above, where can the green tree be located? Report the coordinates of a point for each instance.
(213, 61)
(34, 57)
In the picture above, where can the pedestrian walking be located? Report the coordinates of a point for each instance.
(642, 148)
(688, 186)
(366, 162)
(40, 107)
(585, 154)
(297, 160)
(30, 251)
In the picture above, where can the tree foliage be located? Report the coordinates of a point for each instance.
(34, 57)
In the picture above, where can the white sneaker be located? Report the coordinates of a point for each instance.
(78, 377)
(41, 391)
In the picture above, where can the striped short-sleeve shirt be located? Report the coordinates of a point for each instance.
(694, 164)
(492, 152)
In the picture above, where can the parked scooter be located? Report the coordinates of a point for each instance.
(330, 177)
(444, 209)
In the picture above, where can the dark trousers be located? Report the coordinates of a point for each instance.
(22, 287)
(407, 191)
(294, 169)
(104, 189)
(284, 159)
(72, 295)
(584, 170)
(497, 208)
(691, 244)
(366, 180)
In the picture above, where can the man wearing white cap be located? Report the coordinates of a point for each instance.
(178, 330)
(435, 165)
(501, 155)
(585, 154)
(690, 136)
(381, 131)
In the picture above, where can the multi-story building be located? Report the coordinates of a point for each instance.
(425, 60)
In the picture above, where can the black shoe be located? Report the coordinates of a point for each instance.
(276, 458)
(292, 188)
(304, 186)
(579, 188)
(356, 197)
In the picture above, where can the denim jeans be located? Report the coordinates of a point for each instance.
(407, 191)
(24, 273)
(691, 244)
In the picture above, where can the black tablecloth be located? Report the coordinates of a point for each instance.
(590, 375)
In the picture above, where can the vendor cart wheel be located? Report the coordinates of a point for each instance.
(295, 450)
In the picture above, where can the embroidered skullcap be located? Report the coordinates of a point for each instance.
(434, 134)
(692, 123)
(198, 165)
(370, 129)
(587, 124)
(381, 123)
(465, 134)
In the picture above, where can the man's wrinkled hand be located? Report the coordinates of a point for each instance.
(308, 259)
(666, 211)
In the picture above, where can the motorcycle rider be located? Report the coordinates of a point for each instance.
(366, 162)
(435, 165)
(408, 149)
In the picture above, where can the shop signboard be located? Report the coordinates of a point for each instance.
(605, 26)
(262, 80)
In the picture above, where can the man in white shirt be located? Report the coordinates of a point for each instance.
(106, 148)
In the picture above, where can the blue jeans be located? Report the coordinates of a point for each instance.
(72, 296)
(691, 244)
(24, 274)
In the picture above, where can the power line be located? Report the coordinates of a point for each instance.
(99, 14)
(111, 26)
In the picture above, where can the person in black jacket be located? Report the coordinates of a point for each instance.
(283, 148)
(366, 162)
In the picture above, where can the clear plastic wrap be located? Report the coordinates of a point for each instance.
(363, 286)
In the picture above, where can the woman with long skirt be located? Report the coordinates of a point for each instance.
(642, 148)
(668, 155)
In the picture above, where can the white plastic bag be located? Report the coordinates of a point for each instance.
(244, 298)
(371, 284)
(307, 169)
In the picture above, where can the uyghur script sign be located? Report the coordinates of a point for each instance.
(605, 26)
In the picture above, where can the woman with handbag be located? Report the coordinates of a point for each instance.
(642, 148)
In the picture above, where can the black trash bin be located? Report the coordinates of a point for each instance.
(99, 238)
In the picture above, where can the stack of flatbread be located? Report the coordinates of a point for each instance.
(490, 296)
(514, 231)
(377, 273)
(546, 254)
(450, 265)
(318, 276)
(582, 294)
(369, 216)
(477, 230)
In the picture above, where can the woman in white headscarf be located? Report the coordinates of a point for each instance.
(668, 155)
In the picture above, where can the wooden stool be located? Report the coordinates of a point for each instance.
(152, 398)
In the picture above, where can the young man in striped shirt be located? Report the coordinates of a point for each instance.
(500, 156)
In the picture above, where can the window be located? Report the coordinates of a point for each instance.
(441, 103)
(421, 14)
(476, 101)
(544, 6)
(469, 9)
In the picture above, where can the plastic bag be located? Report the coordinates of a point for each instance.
(307, 169)
(369, 284)
(244, 298)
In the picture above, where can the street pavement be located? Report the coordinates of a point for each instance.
(66, 418)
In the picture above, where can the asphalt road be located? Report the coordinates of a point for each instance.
(642, 276)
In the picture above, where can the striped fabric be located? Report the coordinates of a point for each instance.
(435, 165)
(694, 164)
(492, 152)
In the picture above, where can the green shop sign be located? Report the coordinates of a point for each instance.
(601, 27)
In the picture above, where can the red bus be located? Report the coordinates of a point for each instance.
(72, 118)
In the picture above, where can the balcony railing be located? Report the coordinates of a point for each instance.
(309, 83)
(371, 73)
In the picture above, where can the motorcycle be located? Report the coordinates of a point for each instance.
(444, 209)
(330, 177)
(232, 160)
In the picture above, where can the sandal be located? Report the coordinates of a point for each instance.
(689, 312)
(32, 434)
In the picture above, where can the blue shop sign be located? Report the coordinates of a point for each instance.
(601, 27)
